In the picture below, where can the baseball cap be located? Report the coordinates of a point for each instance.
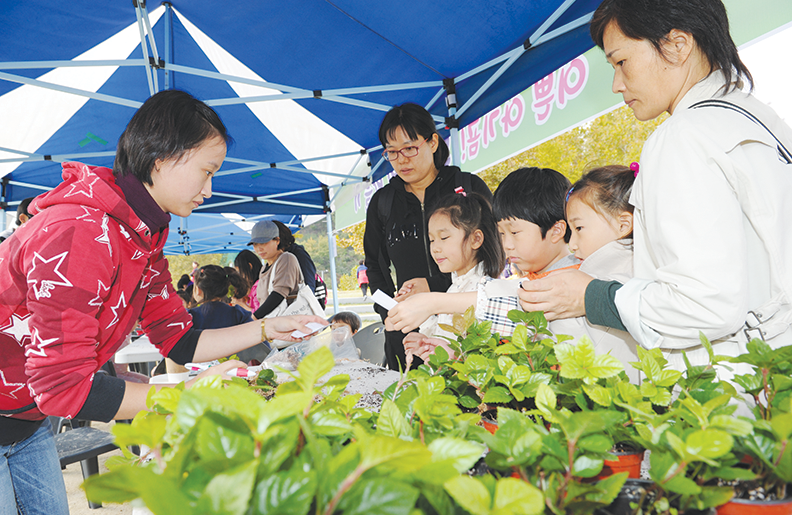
(263, 232)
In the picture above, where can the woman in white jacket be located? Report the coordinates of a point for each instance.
(712, 251)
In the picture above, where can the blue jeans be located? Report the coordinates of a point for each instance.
(31, 480)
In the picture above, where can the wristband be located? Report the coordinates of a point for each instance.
(264, 331)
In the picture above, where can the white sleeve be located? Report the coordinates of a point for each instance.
(690, 246)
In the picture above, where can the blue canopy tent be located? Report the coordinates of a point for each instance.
(302, 86)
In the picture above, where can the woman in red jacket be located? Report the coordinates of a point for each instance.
(83, 270)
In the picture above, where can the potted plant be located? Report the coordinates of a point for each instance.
(768, 447)
(220, 447)
(692, 443)
(563, 461)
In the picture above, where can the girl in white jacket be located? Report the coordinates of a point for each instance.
(600, 217)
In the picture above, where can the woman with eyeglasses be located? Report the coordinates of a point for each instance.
(396, 221)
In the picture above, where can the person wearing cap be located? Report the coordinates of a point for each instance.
(281, 278)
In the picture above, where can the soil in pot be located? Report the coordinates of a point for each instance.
(634, 491)
(746, 507)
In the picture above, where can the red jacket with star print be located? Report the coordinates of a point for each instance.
(75, 279)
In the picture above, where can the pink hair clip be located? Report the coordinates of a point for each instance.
(461, 191)
(635, 167)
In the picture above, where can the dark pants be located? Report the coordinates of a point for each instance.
(395, 358)
(364, 288)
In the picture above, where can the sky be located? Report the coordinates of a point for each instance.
(768, 62)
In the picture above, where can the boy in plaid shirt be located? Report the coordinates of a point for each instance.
(529, 207)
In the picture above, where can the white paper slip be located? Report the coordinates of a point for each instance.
(384, 300)
(313, 326)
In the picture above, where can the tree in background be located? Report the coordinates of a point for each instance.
(614, 138)
(179, 265)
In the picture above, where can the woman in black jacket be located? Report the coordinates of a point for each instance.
(396, 223)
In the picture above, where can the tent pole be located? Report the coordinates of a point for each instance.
(451, 122)
(332, 249)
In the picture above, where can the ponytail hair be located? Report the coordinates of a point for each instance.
(217, 282)
(249, 265)
(469, 212)
(606, 190)
(285, 235)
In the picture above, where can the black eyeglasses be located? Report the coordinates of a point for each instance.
(393, 155)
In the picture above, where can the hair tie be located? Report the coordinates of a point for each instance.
(566, 201)
(460, 190)
(634, 167)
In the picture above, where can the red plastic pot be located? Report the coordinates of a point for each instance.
(630, 462)
(745, 507)
(490, 425)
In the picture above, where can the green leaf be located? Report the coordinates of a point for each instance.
(661, 398)
(379, 496)
(126, 483)
(581, 362)
(329, 424)
(545, 398)
(470, 494)
(283, 406)
(147, 428)
(285, 493)
(599, 394)
(335, 386)
(596, 443)
(648, 389)
(461, 454)
(782, 426)
(709, 443)
(682, 485)
(734, 426)
(218, 442)
(513, 496)
(395, 454)
(498, 395)
(313, 366)
(391, 422)
(507, 348)
(608, 488)
(520, 337)
(667, 378)
(229, 492)
(712, 496)
(586, 466)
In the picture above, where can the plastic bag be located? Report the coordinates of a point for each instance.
(339, 341)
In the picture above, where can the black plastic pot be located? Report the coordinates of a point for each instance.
(632, 492)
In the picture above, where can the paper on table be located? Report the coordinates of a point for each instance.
(384, 300)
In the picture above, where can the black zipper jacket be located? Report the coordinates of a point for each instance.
(402, 239)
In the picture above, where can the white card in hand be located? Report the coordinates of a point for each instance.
(384, 300)
(313, 326)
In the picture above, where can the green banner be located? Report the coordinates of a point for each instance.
(570, 96)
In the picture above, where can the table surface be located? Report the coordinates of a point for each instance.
(139, 351)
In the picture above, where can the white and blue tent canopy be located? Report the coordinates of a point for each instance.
(301, 85)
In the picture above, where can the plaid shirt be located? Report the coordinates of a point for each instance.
(495, 308)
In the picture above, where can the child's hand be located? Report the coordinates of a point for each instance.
(424, 346)
(412, 312)
(411, 287)
(560, 295)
